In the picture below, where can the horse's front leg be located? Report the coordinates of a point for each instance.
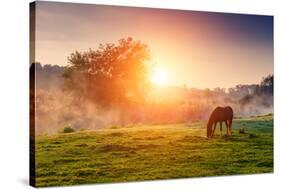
(214, 129)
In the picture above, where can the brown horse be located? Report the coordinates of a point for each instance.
(220, 114)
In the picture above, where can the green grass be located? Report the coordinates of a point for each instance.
(154, 152)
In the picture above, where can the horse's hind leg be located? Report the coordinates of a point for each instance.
(230, 126)
(221, 128)
(227, 127)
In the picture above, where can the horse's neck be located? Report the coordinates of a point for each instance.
(210, 121)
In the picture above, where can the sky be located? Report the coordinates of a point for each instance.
(198, 49)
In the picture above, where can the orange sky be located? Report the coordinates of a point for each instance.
(201, 50)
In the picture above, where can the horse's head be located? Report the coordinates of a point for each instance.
(209, 130)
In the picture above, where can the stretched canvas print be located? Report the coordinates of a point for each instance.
(122, 94)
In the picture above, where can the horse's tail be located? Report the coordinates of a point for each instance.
(228, 111)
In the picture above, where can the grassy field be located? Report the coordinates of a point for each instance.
(154, 152)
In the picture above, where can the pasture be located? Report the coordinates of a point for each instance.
(149, 152)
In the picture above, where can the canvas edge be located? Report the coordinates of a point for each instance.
(32, 177)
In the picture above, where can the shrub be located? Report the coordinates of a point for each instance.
(68, 129)
(252, 136)
(241, 131)
(114, 127)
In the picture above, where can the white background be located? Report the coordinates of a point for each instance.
(14, 94)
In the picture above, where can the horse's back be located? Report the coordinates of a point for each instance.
(222, 113)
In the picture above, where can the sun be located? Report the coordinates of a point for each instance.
(160, 76)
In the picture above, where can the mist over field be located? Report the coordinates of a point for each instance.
(57, 108)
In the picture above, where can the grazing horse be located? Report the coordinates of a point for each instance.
(220, 114)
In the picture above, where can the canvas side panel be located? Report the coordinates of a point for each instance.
(32, 95)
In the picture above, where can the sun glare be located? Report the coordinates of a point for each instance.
(160, 76)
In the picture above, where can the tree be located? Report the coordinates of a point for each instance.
(112, 75)
(266, 86)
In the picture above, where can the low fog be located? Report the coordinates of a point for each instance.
(56, 108)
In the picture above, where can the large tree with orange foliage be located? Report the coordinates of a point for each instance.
(112, 75)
